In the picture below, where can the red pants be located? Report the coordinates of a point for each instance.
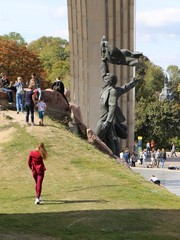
(38, 180)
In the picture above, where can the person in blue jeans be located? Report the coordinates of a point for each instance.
(19, 86)
(126, 156)
(162, 157)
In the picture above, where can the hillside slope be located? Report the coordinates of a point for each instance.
(87, 195)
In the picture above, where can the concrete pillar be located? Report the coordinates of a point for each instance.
(88, 21)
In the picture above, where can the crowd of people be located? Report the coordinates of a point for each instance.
(30, 98)
(157, 156)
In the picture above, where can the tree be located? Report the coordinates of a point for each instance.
(158, 120)
(154, 119)
(16, 37)
(151, 80)
(54, 53)
(174, 80)
(16, 60)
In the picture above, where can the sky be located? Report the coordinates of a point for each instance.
(157, 31)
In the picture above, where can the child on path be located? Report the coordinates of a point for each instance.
(41, 105)
(36, 164)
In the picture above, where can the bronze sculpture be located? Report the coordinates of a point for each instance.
(119, 56)
(110, 126)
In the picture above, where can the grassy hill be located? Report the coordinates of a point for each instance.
(88, 196)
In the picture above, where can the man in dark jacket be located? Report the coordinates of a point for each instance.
(58, 85)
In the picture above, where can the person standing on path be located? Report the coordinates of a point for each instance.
(19, 85)
(153, 161)
(152, 144)
(29, 104)
(157, 157)
(144, 155)
(37, 85)
(36, 164)
(173, 150)
(162, 157)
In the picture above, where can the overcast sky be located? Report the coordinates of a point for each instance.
(157, 25)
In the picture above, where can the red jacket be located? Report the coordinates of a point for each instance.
(35, 162)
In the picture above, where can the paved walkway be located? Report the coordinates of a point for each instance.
(170, 179)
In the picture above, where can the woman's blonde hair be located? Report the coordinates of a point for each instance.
(19, 79)
(41, 148)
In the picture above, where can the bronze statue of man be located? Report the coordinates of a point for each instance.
(110, 125)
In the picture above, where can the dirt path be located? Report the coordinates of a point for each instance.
(14, 117)
(9, 116)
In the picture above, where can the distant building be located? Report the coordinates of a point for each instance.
(166, 93)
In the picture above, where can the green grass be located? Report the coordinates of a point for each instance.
(88, 196)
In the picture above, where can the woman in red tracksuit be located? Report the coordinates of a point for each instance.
(36, 164)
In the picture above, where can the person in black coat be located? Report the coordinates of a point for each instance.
(58, 85)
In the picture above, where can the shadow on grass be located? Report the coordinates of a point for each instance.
(90, 187)
(132, 224)
(71, 201)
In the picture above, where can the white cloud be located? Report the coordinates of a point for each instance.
(159, 18)
(158, 35)
(158, 25)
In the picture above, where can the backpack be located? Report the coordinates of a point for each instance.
(20, 89)
(57, 86)
(36, 95)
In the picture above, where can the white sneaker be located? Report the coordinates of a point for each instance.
(41, 199)
(37, 201)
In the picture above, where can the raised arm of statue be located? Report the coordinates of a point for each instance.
(126, 87)
(104, 68)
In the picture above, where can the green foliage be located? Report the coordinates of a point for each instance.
(151, 80)
(155, 119)
(16, 37)
(174, 80)
(55, 56)
(50, 57)
(158, 120)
